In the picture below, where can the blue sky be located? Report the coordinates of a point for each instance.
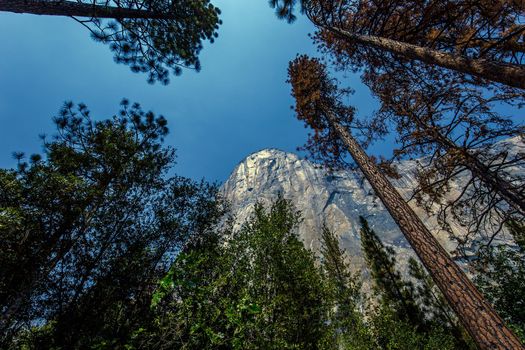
(238, 104)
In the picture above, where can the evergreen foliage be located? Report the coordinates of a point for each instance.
(88, 228)
(343, 288)
(150, 36)
(101, 249)
(155, 46)
(500, 275)
(394, 291)
(283, 280)
(105, 251)
(256, 287)
(259, 289)
(411, 314)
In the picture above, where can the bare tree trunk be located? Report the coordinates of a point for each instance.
(490, 178)
(508, 74)
(475, 313)
(76, 9)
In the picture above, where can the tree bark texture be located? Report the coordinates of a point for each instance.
(76, 9)
(478, 317)
(508, 74)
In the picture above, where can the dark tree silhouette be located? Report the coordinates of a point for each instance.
(150, 36)
(98, 203)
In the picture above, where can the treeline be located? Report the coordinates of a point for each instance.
(103, 250)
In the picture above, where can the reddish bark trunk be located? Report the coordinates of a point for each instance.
(508, 74)
(478, 317)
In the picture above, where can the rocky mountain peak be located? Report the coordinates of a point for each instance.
(336, 198)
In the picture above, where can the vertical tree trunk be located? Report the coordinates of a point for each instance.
(76, 9)
(512, 75)
(475, 313)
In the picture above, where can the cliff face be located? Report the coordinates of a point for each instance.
(337, 198)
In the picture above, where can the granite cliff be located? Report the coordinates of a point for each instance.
(337, 198)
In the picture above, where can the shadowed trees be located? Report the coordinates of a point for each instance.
(150, 36)
(318, 104)
(84, 215)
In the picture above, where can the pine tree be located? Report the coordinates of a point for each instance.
(482, 39)
(151, 36)
(318, 104)
(387, 280)
(454, 130)
(338, 270)
(347, 321)
(96, 206)
(500, 276)
(412, 308)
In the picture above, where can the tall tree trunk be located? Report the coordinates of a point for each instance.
(479, 318)
(76, 9)
(508, 74)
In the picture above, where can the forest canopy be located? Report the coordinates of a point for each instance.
(105, 246)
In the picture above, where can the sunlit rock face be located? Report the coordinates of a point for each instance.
(337, 198)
